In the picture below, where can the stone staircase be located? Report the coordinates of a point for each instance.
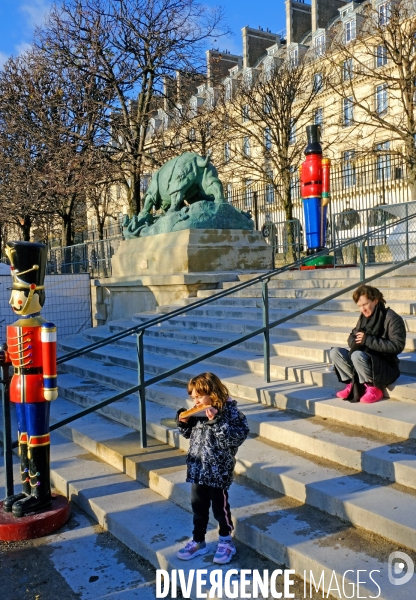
(322, 485)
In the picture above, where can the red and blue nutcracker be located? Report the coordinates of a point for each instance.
(314, 179)
(31, 348)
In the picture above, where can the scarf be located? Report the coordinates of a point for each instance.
(372, 325)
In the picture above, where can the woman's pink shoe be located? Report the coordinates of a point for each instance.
(345, 393)
(371, 395)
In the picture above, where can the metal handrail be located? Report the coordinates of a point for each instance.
(146, 383)
(223, 293)
(265, 330)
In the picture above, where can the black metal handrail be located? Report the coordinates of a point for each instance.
(265, 330)
(221, 294)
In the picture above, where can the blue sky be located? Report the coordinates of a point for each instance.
(18, 19)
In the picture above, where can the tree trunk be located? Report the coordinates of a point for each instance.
(289, 227)
(67, 239)
(25, 225)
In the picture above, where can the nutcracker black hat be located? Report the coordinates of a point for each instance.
(28, 267)
(313, 133)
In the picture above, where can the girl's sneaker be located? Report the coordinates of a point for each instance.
(225, 552)
(192, 549)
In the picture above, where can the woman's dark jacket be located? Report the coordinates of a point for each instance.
(383, 349)
(213, 445)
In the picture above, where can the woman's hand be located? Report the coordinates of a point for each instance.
(211, 412)
(359, 338)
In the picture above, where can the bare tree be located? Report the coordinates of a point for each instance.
(262, 125)
(56, 121)
(374, 75)
(130, 45)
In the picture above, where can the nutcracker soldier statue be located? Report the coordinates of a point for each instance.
(314, 179)
(31, 348)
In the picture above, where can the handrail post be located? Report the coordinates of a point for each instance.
(142, 389)
(266, 335)
(362, 260)
(7, 430)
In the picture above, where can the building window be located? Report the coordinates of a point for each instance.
(348, 111)
(227, 152)
(208, 129)
(269, 195)
(319, 45)
(192, 135)
(349, 31)
(294, 58)
(348, 169)
(248, 196)
(384, 13)
(347, 69)
(229, 192)
(246, 146)
(383, 163)
(292, 132)
(381, 98)
(267, 139)
(246, 113)
(381, 56)
(318, 82)
(267, 106)
(318, 117)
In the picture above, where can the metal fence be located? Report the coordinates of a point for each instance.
(390, 244)
(92, 257)
(355, 184)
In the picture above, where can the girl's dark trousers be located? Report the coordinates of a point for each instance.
(202, 497)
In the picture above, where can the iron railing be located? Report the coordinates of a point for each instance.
(264, 330)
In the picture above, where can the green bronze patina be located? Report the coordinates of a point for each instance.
(188, 195)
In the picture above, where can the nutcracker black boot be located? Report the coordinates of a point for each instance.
(40, 483)
(24, 474)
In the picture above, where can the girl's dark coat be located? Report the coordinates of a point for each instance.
(213, 445)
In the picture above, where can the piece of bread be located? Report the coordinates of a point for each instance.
(194, 410)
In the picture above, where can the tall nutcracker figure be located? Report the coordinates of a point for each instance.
(31, 348)
(314, 179)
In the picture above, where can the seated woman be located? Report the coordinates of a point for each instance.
(371, 364)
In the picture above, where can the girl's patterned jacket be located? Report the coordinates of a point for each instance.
(213, 445)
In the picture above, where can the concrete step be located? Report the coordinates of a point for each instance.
(339, 491)
(207, 331)
(285, 531)
(237, 357)
(401, 307)
(312, 294)
(125, 506)
(252, 317)
(389, 457)
(331, 283)
(120, 366)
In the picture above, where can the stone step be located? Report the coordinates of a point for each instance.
(388, 457)
(401, 307)
(308, 293)
(236, 357)
(287, 532)
(339, 491)
(125, 506)
(212, 332)
(252, 316)
(330, 283)
(302, 397)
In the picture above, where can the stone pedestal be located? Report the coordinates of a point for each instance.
(158, 270)
(192, 251)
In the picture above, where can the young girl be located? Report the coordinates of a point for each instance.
(214, 439)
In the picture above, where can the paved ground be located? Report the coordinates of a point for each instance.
(81, 561)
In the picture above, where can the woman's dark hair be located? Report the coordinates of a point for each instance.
(370, 292)
(208, 384)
